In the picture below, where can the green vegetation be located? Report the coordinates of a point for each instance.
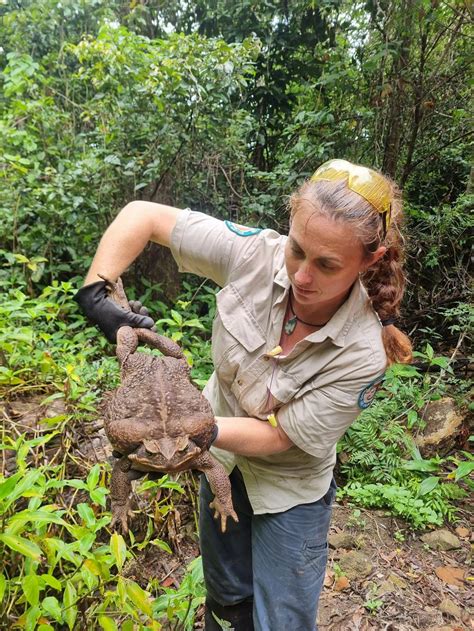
(381, 461)
(223, 107)
(61, 565)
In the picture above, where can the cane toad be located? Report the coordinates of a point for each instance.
(157, 420)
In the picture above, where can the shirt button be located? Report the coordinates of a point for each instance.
(240, 382)
(266, 358)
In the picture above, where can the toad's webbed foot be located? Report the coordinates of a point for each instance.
(120, 490)
(120, 515)
(220, 486)
(224, 511)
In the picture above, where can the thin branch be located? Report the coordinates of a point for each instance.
(423, 158)
(173, 159)
(229, 182)
(66, 98)
(453, 8)
(447, 48)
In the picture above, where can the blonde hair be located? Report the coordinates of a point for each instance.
(385, 279)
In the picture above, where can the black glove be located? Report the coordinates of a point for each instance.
(109, 317)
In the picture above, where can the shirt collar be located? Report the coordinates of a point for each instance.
(281, 278)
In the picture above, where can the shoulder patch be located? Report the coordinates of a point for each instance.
(368, 393)
(242, 231)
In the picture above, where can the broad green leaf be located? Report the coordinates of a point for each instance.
(166, 321)
(25, 484)
(31, 588)
(443, 362)
(177, 317)
(7, 486)
(86, 542)
(21, 258)
(412, 418)
(107, 623)
(37, 517)
(118, 548)
(32, 617)
(93, 567)
(464, 469)
(52, 607)
(24, 546)
(3, 586)
(76, 484)
(62, 550)
(428, 485)
(196, 571)
(159, 543)
(112, 159)
(402, 370)
(98, 495)
(51, 581)
(420, 465)
(93, 477)
(41, 440)
(194, 322)
(121, 590)
(89, 578)
(69, 605)
(139, 597)
(87, 514)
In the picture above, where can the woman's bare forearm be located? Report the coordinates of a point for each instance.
(126, 237)
(250, 437)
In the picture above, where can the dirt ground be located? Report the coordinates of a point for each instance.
(394, 585)
(380, 576)
(380, 583)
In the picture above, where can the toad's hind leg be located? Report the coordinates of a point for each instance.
(120, 489)
(220, 486)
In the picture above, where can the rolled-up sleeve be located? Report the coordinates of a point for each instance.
(315, 421)
(205, 246)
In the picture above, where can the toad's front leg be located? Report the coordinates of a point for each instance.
(220, 486)
(120, 490)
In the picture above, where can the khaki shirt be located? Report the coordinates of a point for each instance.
(316, 391)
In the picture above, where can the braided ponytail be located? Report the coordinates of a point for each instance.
(385, 284)
(385, 279)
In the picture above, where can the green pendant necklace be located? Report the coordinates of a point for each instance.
(291, 323)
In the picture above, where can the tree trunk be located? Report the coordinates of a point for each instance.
(403, 32)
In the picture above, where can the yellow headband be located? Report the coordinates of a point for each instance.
(372, 186)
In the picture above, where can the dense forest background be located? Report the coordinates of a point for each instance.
(225, 107)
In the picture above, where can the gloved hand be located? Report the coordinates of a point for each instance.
(109, 317)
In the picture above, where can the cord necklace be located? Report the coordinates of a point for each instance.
(291, 323)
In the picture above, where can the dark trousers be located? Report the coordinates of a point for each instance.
(276, 561)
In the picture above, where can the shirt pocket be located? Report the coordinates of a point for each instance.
(236, 335)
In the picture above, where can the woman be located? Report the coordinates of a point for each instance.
(299, 348)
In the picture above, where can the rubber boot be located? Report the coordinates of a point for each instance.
(239, 616)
